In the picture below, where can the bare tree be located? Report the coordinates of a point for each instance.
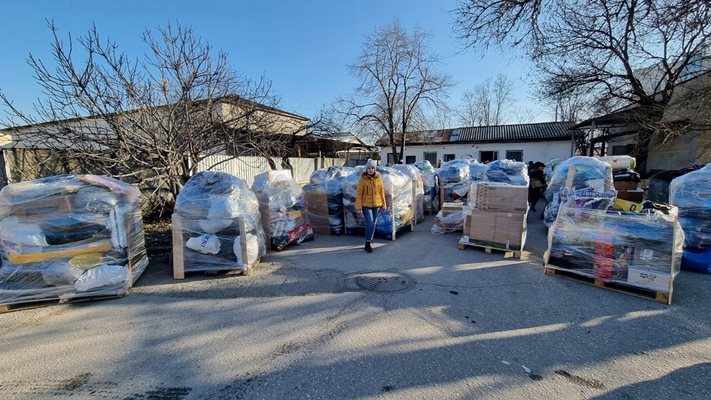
(150, 120)
(488, 103)
(398, 84)
(615, 52)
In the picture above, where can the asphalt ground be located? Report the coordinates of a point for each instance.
(459, 324)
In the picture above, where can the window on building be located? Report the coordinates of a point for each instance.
(514, 155)
(430, 156)
(448, 157)
(410, 159)
(488, 156)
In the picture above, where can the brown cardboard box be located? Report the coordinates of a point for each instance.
(503, 228)
(509, 229)
(498, 197)
(317, 205)
(620, 185)
(467, 223)
(635, 196)
(450, 208)
(482, 226)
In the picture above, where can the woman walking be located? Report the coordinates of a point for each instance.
(370, 199)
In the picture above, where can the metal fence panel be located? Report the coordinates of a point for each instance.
(248, 167)
(244, 167)
(302, 169)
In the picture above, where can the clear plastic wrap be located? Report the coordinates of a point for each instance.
(324, 198)
(637, 249)
(69, 236)
(551, 165)
(589, 173)
(418, 187)
(507, 171)
(425, 167)
(454, 178)
(398, 195)
(429, 186)
(477, 170)
(217, 219)
(283, 208)
(691, 193)
(449, 223)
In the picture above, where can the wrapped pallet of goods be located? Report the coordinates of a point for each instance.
(427, 175)
(449, 219)
(691, 193)
(454, 178)
(283, 209)
(398, 195)
(418, 189)
(69, 237)
(507, 171)
(577, 173)
(324, 199)
(496, 217)
(637, 253)
(216, 226)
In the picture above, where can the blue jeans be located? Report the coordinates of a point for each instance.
(371, 215)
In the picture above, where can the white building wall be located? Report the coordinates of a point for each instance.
(532, 151)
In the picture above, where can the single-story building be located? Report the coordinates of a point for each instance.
(521, 142)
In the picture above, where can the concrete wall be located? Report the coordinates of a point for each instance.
(681, 152)
(532, 151)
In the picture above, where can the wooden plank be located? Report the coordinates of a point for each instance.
(246, 267)
(620, 287)
(12, 307)
(178, 248)
(488, 249)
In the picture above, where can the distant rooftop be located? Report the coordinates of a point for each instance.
(542, 131)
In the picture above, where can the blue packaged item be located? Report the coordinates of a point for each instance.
(692, 194)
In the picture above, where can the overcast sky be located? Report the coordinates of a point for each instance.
(303, 47)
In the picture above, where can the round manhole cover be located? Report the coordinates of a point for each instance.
(383, 281)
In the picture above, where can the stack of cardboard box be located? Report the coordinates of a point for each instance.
(629, 191)
(497, 215)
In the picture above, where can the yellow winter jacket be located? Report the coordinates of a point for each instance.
(371, 191)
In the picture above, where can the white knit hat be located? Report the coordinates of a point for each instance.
(370, 163)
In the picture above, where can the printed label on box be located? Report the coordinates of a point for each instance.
(646, 255)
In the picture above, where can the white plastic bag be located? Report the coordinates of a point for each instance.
(252, 249)
(205, 244)
(103, 275)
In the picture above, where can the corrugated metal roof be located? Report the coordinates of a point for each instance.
(519, 132)
(495, 133)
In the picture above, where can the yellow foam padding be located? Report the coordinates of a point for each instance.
(626, 205)
(294, 214)
(25, 258)
(87, 261)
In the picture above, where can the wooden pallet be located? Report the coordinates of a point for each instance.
(178, 258)
(6, 308)
(648, 294)
(226, 271)
(489, 248)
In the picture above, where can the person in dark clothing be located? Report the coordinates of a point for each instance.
(537, 184)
